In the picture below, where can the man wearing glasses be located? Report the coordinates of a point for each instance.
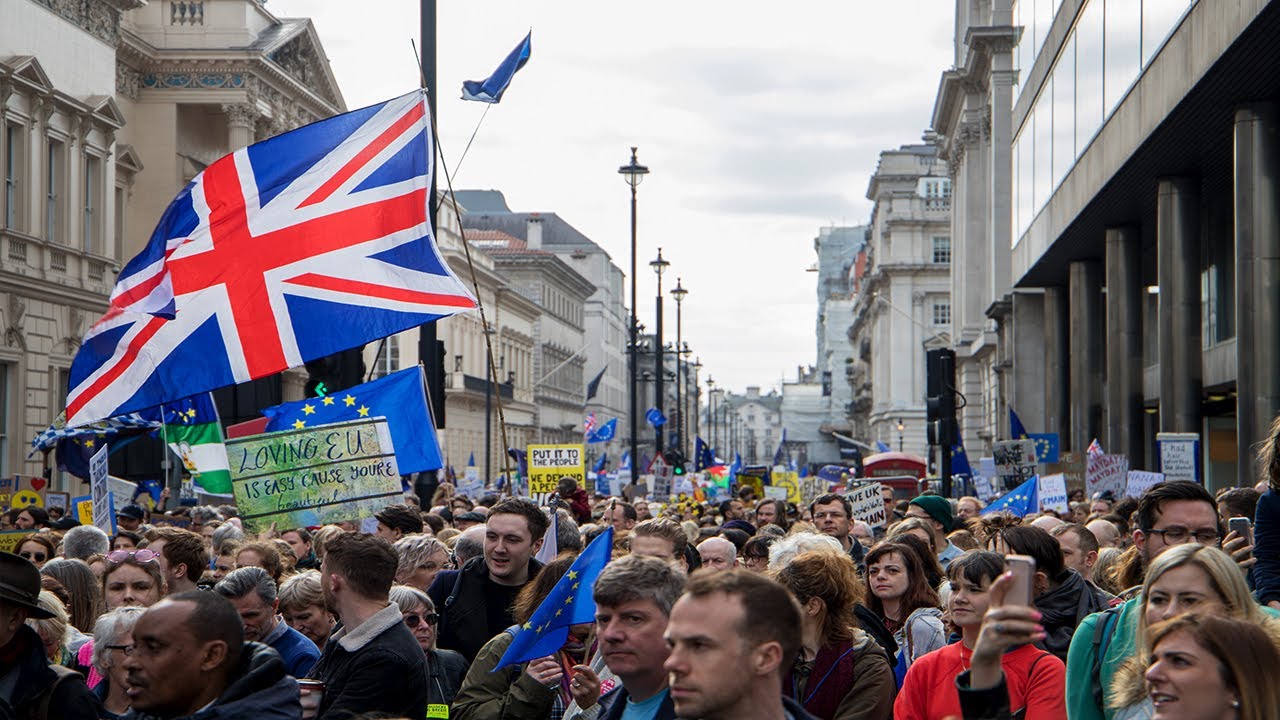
(833, 515)
(1169, 514)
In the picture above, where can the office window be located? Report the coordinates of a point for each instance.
(5, 376)
(389, 361)
(92, 182)
(55, 174)
(937, 193)
(14, 144)
(942, 249)
(941, 313)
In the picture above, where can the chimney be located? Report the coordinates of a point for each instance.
(533, 232)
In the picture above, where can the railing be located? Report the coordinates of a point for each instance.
(186, 12)
(31, 257)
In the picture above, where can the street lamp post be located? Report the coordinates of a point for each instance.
(901, 428)
(711, 411)
(633, 173)
(659, 266)
(679, 293)
(696, 400)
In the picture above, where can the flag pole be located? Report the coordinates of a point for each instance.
(475, 284)
(458, 165)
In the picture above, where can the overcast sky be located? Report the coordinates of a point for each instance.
(760, 122)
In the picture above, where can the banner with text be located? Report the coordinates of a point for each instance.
(1179, 456)
(1140, 481)
(1106, 473)
(1015, 461)
(868, 504)
(314, 476)
(1053, 493)
(549, 463)
(104, 512)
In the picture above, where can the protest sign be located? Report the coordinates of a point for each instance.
(1107, 473)
(1179, 456)
(868, 504)
(773, 492)
(104, 515)
(752, 481)
(83, 509)
(811, 488)
(549, 463)
(1140, 481)
(1053, 493)
(6, 491)
(789, 481)
(57, 500)
(314, 476)
(11, 539)
(1014, 460)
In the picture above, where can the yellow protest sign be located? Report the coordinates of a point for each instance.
(789, 480)
(549, 463)
(84, 511)
(10, 540)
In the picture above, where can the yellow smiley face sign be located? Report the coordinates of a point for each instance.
(27, 498)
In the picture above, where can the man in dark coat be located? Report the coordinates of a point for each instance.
(30, 687)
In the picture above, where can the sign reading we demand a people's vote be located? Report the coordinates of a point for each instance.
(314, 476)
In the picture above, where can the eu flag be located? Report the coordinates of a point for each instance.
(1021, 501)
(1047, 447)
(702, 456)
(655, 417)
(604, 433)
(568, 603)
(399, 397)
(960, 460)
(1016, 429)
(600, 463)
(882, 446)
(490, 89)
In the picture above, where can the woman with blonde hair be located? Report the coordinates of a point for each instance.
(1183, 579)
(422, 557)
(303, 607)
(1205, 667)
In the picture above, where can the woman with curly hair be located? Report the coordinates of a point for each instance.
(841, 671)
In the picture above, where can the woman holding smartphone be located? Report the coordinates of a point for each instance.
(1036, 679)
(900, 595)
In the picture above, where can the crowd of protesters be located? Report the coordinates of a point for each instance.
(747, 608)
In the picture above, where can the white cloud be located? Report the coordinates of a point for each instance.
(761, 122)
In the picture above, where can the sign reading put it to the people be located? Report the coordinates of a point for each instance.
(314, 476)
(549, 463)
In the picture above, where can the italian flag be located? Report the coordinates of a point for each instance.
(201, 448)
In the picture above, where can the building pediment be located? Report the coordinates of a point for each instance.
(127, 158)
(106, 110)
(299, 54)
(26, 69)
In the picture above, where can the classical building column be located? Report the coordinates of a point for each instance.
(241, 118)
(1057, 413)
(1257, 239)
(1027, 389)
(1084, 288)
(1178, 272)
(1124, 341)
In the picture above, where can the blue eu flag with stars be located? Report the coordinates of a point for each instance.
(568, 603)
(1047, 447)
(1021, 501)
(399, 397)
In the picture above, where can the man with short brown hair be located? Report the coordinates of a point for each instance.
(182, 557)
(733, 635)
(661, 538)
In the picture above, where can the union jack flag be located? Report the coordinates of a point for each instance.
(292, 249)
(1095, 449)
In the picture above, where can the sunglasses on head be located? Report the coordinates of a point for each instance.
(143, 556)
(414, 619)
(34, 556)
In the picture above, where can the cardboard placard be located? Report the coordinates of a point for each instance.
(868, 504)
(104, 514)
(549, 463)
(314, 476)
(1053, 493)
(1106, 473)
(11, 539)
(1015, 460)
(1140, 481)
(789, 482)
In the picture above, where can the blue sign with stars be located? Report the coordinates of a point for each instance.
(1047, 447)
(398, 397)
(569, 603)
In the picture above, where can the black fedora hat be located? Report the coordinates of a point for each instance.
(20, 585)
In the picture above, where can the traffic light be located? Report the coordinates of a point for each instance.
(676, 460)
(940, 408)
(335, 372)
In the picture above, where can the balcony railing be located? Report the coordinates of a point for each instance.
(37, 259)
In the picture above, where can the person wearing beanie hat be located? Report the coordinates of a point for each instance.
(937, 511)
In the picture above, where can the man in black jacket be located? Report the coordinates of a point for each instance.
(189, 660)
(371, 657)
(474, 602)
(29, 686)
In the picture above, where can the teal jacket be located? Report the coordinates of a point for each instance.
(1080, 701)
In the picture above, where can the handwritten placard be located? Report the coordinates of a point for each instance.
(1053, 493)
(11, 539)
(1014, 460)
(549, 463)
(104, 515)
(1140, 481)
(1106, 473)
(868, 504)
(315, 476)
(1179, 456)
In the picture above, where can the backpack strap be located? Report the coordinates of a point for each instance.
(1101, 641)
(453, 594)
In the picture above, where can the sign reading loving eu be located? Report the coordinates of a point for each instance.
(314, 476)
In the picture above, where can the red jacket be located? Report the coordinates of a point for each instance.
(1037, 680)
